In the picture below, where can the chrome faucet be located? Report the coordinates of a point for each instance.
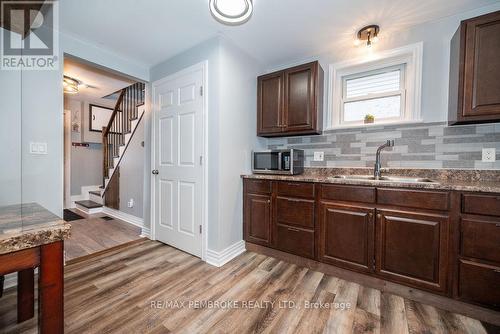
(378, 165)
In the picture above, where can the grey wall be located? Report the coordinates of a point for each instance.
(85, 162)
(10, 135)
(208, 50)
(429, 145)
(435, 35)
(424, 145)
(41, 97)
(231, 130)
(132, 174)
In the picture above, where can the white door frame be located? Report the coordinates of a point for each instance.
(67, 131)
(203, 66)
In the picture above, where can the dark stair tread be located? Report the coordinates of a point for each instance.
(89, 204)
(96, 192)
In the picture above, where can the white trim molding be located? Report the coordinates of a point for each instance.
(410, 55)
(219, 259)
(146, 232)
(128, 218)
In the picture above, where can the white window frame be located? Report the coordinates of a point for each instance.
(408, 57)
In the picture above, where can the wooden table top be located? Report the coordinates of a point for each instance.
(29, 225)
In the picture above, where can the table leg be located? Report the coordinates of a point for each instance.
(50, 289)
(25, 294)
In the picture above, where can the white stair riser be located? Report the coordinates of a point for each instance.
(87, 210)
(96, 198)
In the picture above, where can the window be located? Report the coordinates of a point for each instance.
(387, 88)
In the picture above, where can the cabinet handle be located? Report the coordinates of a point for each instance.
(293, 229)
(268, 201)
(379, 216)
(497, 271)
(497, 225)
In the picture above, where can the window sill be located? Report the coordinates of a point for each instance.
(357, 126)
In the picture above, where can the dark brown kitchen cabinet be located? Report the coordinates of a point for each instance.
(412, 248)
(347, 236)
(290, 102)
(474, 95)
(479, 283)
(258, 219)
(270, 103)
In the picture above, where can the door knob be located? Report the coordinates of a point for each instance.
(155, 172)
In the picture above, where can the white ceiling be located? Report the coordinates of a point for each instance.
(101, 82)
(280, 31)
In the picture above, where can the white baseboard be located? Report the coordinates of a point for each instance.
(136, 221)
(88, 211)
(219, 259)
(146, 232)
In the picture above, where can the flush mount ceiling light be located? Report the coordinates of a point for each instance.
(368, 34)
(70, 85)
(231, 12)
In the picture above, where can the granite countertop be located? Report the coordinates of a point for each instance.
(29, 225)
(443, 179)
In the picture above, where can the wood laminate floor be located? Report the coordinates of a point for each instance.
(147, 287)
(93, 234)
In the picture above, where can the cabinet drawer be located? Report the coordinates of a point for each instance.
(295, 240)
(479, 283)
(481, 204)
(258, 186)
(432, 200)
(480, 239)
(292, 211)
(295, 189)
(348, 193)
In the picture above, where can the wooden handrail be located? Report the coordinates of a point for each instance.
(115, 111)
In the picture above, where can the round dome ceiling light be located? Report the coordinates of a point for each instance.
(231, 12)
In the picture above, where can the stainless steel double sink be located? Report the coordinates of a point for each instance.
(396, 179)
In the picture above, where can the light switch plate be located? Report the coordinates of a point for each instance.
(38, 148)
(489, 154)
(319, 156)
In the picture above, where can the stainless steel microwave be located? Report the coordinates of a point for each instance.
(286, 162)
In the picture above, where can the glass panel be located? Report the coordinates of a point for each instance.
(373, 84)
(385, 107)
(267, 160)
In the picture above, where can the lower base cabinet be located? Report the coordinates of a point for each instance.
(412, 248)
(401, 235)
(347, 236)
(479, 283)
(258, 219)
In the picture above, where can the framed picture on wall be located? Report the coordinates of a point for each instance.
(98, 117)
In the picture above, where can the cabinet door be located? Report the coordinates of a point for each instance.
(270, 104)
(347, 236)
(257, 213)
(412, 248)
(482, 68)
(300, 98)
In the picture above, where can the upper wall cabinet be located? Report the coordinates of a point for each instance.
(475, 71)
(290, 102)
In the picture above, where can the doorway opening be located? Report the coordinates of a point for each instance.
(103, 157)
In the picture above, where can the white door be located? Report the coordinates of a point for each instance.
(179, 134)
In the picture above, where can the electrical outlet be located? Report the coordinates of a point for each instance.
(319, 156)
(489, 155)
(130, 203)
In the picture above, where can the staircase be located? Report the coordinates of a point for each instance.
(116, 137)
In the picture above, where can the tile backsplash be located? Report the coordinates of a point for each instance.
(418, 145)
